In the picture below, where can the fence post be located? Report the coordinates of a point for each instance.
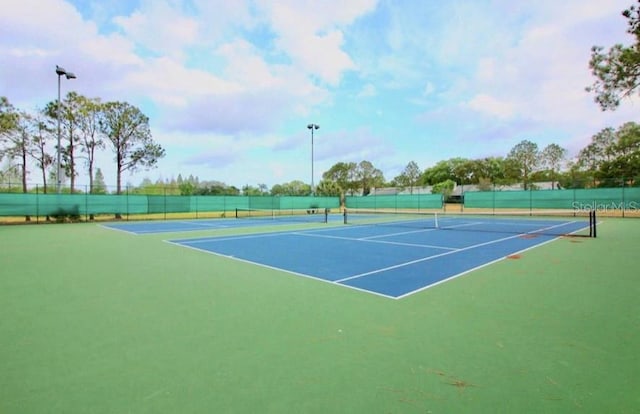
(624, 206)
(493, 199)
(86, 203)
(530, 200)
(37, 204)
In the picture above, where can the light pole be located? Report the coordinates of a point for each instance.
(60, 72)
(312, 127)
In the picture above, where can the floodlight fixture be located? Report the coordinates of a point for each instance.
(312, 127)
(60, 71)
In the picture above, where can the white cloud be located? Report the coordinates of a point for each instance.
(489, 105)
(170, 83)
(220, 18)
(309, 33)
(244, 64)
(15, 52)
(113, 50)
(53, 24)
(161, 28)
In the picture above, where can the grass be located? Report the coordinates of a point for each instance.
(98, 321)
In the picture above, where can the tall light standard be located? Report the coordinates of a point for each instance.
(60, 72)
(312, 127)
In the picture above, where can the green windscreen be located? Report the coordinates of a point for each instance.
(395, 202)
(291, 202)
(168, 204)
(217, 203)
(624, 198)
(33, 204)
(21, 204)
(295, 203)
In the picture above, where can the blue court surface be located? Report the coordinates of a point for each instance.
(151, 227)
(390, 261)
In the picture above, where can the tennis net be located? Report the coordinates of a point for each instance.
(555, 223)
(317, 215)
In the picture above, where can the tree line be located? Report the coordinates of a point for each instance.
(88, 125)
(83, 126)
(612, 158)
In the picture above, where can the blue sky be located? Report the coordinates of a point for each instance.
(230, 86)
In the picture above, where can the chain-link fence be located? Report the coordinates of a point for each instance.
(613, 197)
(87, 206)
(607, 196)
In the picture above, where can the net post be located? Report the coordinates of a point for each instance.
(435, 220)
(594, 223)
(326, 215)
(236, 212)
(344, 216)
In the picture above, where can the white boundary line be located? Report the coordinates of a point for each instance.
(104, 226)
(424, 259)
(399, 233)
(332, 282)
(338, 282)
(473, 246)
(122, 226)
(368, 240)
(180, 230)
(475, 268)
(202, 224)
(227, 238)
(485, 264)
(257, 235)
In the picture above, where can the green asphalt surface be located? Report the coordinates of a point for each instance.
(99, 321)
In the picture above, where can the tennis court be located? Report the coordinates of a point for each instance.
(103, 321)
(392, 255)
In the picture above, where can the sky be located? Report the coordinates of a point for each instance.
(230, 86)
